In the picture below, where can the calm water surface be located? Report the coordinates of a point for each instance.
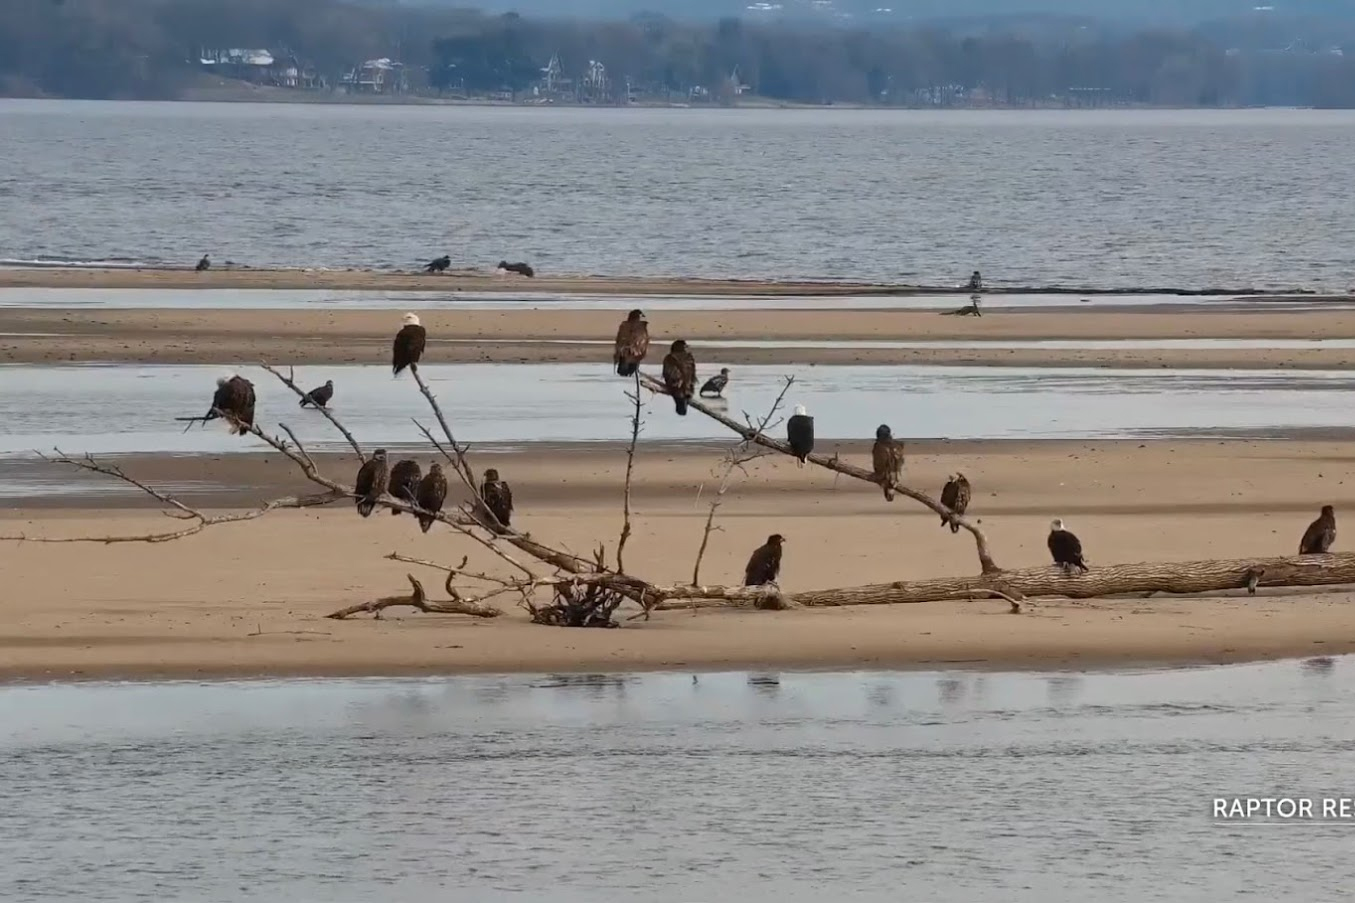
(753, 787)
(1106, 198)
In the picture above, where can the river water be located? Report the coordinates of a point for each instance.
(1197, 198)
(954, 786)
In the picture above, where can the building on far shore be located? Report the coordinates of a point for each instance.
(280, 69)
(383, 76)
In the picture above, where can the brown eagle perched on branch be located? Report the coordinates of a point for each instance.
(765, 563)
(320, 395)
(679, 375)
(1321, 533)
(404, 482)
(234, 400)
(371, 482)
(632, 343)
(497, 497)
(1065, 547)
(955, 496)
(409, 344)
(432, 493)
(887, 459)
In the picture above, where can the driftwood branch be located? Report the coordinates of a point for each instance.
(630, 469)
(290, 382)
(418, 599)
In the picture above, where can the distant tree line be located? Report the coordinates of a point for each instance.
(147, 48)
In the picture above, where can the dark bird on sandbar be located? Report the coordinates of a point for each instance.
(765, 563)
(1065, 547)
(1321, 533)
(438, 265)
(800, 434)
(371, 482)
(975, 282)
(679, 375)
(408, 345)
(404, 482)
(886, 457)
(204, 264)
(632, 343)
(522, 269)
(955, 496)
(234, 400)
(432, 493)
(715, 386)
(497, 497)
(320, 395)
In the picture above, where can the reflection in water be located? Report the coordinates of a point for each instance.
(1322, 666)
(1063, 688)
(950, 690)
(768, 685)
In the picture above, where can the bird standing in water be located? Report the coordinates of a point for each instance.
(715, 386)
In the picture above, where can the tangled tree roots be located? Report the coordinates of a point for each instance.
(574, 605)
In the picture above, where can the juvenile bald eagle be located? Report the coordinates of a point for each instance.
(234, 400)
(439, 264)
(404, 482)
(715, 386)
(522, 269)
(800, 434)
(432, 493)
(765, 563)
(320, 395)
(371, 482)
(887, 459)
(1321, 533)
(679, 375)
(975, 282)
(408, 346)
(204, 264)
(955, 496)
(1065, 547)
(497, 497)
(632, 343)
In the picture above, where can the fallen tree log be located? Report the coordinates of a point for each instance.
(419, 599)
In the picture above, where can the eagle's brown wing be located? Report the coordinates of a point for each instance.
(962, 497)
(763, 566)
(240, 404)
(632, 342)
(432, 493)
(1317, 538)
(672, 374)
(688, 363)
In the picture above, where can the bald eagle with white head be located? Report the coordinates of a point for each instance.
(234, 400)
(800, 434)
(1065, 547)
(409, 345)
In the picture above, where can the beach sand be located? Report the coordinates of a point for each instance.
(236, 337)
(248, 599)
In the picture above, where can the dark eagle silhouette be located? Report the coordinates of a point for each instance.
(409, 343)
(320, 395)
(887, 460)
(371, 482)
(438, 265)
(204, 264)
(1321, 533)
(234, 400)
(679, 375)
(955, 496)
(497, 497)
(715, 386)
(522, 269)
(975, 282)
(632, 343)
(1065, 547)
(765, 563)
(404, 482)
(800, 434)
(432, 493)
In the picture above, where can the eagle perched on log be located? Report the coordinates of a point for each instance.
(679, 375)
(800, 434)
(234, 400)
(765, 563)
(320, 395)
(408, 345)
(1321, 533)
(1065, 547)
(955, 496)
(632, 343)
(404, 482)
(497, 497)
(887, 459)
(371, 482)
(432, 493)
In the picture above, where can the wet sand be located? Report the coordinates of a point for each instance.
(249, 599)
(29, 335)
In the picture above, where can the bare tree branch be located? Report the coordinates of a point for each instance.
(418, 599)
(630, 468)
(289, 382)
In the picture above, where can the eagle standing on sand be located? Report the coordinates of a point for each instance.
(404, 482)
(438, 265)
(408, 346)
(955, 496)
(497, 497)
(234, 400)
(320, 395)
(371, 482)
(800, 434)
(632, 343)
(975, 282)
(887, 459)
(715, 386)
(679, 375)
(765, 563)
(204, 264)
(522, 269)
(1321, 533)
(1065, 547)
(432, 493)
